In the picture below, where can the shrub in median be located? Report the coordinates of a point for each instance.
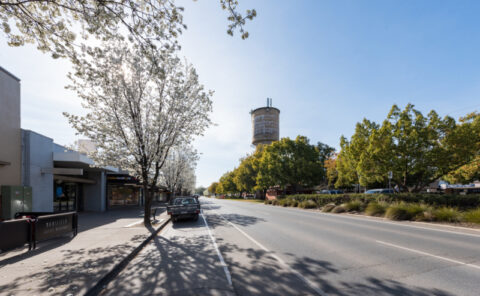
(462, 202)
(293, 203)
(445, 214)
(284, 202)
(328, 207)
(376, 208)
(472, 216)
(308, 204)
(352, 206)
(404, 211)
(338, 209)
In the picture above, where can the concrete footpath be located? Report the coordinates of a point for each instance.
(71, 266)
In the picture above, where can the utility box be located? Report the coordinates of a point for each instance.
(15, 199)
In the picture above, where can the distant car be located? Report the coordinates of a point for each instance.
(380, 190)
(331, 192)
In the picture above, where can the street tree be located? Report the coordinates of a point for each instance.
(226, 184)
(186, 183)
(350, 152)
(331, 170)
(325, 152)
(418, 149)
(139, 105)
(178, 171)
(212, 189)
(61, 27)
(246, 174)
(200, 190)
(469, 129)
(290, 163)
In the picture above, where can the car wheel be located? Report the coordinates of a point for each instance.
(195, 218)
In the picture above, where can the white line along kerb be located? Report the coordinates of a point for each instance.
(220, 257)
(280, 260)
(430, 255)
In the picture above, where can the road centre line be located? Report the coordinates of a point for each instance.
(220, 257)
(301, 277)
(428, 254)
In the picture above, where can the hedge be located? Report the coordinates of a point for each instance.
(462, 202)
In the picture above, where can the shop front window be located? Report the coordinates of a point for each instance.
(65, 197)
(123, 195)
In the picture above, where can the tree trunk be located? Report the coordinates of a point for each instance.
(148, 205)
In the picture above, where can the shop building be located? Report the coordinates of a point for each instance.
(61, 179)
(123, 190)
(10, 136)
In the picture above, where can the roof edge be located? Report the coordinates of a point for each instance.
(264, 108)
(9, 74)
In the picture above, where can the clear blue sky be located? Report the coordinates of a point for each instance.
(326, 64)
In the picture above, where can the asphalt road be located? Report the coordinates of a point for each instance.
(241, 248)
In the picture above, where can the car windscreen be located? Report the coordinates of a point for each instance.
(184, 201)
(189, 201)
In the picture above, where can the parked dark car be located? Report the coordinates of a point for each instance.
(184, 208)
(380, 190)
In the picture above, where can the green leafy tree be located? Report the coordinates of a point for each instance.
(246, 173)
(212, 189)
(417, 149)
(325, 152)
(465, 174)
(350, 152)
(469, 129)
(290, 162)
(226, 184)
(331, 171)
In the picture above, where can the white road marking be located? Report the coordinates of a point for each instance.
(301, 277)
(220, 257)
(428, 254)
(138, 222)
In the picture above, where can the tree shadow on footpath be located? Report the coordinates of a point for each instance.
(75, 272)
(176, 266)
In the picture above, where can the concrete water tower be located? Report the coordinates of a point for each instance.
(265, 124)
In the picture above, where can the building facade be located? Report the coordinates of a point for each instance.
(60, 179)
(10, 134)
